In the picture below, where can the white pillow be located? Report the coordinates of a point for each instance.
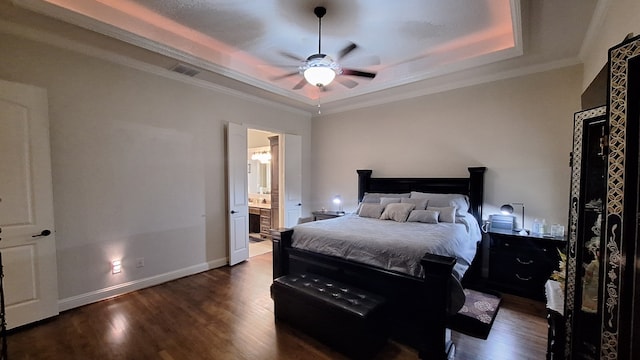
(397, 212)
(371, 210)
(446, 214)
(421, 204)
(424, 216)
(461, 202)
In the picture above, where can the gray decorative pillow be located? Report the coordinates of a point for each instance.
(424, 216)
(459, 201)
(371, 210)
(447, 214)
(397, 212)
(375, 197)
(421, 204)
(384, 201)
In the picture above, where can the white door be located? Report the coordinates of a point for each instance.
(26, 206)
(238, 202)
(292, 187)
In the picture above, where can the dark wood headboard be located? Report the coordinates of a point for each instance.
(473, 186)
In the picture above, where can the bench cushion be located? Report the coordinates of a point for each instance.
(349, 298)
(342, 316)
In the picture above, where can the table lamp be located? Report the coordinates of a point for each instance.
(508, 209)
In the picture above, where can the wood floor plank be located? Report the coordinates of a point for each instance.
(227, 313)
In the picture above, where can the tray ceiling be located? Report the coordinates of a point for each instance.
(404, 42)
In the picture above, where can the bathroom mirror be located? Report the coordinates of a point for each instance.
(259, 170)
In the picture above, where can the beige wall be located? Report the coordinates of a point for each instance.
(520, 129)
(138, 165)
(621, 18)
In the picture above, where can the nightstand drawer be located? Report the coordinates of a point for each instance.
(523, 258)
(520, 278)
(519, 273)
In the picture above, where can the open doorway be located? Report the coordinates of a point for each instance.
(284, 198)
(262, 172)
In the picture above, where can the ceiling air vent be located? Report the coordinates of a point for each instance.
(185, 70)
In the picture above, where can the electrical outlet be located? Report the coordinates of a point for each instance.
(139, 262)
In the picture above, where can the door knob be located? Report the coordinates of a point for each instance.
(233, 211)
(43, 233)
(299, 204)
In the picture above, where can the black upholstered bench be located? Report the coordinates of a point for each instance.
(348, 319)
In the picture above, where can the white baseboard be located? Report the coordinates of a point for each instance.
(120, 289)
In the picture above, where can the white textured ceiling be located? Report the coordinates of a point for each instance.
(408, 43)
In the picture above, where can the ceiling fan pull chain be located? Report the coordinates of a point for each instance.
(319, 112)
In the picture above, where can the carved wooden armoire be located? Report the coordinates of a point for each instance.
(603, 263)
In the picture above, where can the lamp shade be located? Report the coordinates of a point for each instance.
(506, 209)
(319, 75)
(338, 201)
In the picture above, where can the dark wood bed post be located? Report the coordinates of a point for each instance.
(476, 191)
(437, 280)
(363, 182)
(281, 239)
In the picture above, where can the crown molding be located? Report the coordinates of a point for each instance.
(453, 85)
(68, 16)
(48, 38)
(501, 55)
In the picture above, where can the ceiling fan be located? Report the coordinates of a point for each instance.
(320, 69)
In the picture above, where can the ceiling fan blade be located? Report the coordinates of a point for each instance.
(346, 50)
(353, 72)
(291, 56)
(300, 85)
(347, 82)
(280, 77)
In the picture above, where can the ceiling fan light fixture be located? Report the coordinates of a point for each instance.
(320, 70)
(319, 75)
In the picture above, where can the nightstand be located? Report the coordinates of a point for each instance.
(521, 264)
(324, 215)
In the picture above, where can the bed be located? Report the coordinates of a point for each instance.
(421, 293)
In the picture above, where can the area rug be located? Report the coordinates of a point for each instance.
(477, 314)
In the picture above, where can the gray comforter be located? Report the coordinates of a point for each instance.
(391, 245)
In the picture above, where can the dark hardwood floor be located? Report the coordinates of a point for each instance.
(227, 313)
